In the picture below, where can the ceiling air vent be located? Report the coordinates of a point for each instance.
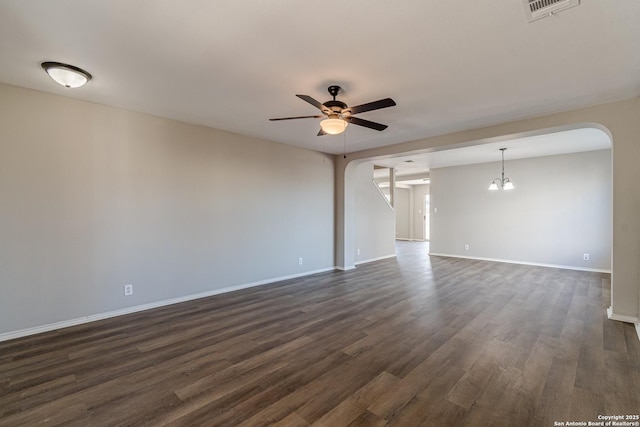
(537, 9)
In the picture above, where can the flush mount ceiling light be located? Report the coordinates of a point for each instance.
(502, 183)
(66, 75)
(333, 126)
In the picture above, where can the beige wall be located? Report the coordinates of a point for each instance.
(95, 197)
(374, 230)
(619, 119)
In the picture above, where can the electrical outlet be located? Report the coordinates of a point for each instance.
(128, 290)
(466, 247)
(358, 251)
(586, 257)
(299, 261)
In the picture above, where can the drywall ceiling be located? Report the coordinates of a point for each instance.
(449, 65)
(551, 144)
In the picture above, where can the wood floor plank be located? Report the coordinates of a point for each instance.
(470, 386)
(246, 366)
(555, 401)
(415, 340)
(300, 385)
(355, 405)
(292, 420)
(586, 405)
(45, 415)
(367, 419)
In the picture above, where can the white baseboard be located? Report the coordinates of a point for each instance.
(536, 264)
(621, 317)
(380, 258)
(100, 316)
(347, 268)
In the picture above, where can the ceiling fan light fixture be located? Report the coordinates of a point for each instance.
(337, 115)
(66, 75)
(333, 126)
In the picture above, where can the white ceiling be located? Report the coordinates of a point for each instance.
(449, 65)
(564, 142)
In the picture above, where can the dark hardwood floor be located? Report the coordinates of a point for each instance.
(411, 341)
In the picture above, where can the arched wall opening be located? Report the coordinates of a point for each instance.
(346, 167)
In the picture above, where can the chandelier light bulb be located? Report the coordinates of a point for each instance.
(508, 185)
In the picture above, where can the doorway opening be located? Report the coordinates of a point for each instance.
(425, 214)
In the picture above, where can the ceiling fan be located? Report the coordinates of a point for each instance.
(338, 115)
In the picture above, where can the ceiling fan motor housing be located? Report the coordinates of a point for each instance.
(335, 106)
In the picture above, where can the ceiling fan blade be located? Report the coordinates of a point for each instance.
(321, 132)
(315, 103)
(375, 105)
(298, 117)
(365, 123)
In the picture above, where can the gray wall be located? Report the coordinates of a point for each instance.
(419, 192)
(94, 198)
(409, 209)
(560, 209)
(375, 219)
(402, 206)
